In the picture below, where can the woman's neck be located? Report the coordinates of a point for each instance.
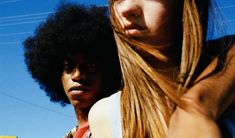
(170, 67)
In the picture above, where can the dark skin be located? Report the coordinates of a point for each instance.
(82, 82)
(62, 53)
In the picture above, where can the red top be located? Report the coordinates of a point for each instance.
(82, 132)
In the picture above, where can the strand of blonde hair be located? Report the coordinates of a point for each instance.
(145, 90)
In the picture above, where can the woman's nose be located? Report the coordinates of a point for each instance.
(129, 9)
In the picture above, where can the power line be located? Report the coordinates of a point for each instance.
(26, 15)
(225, 21)
(35, 105)
(228, 6)
(9, 1)
(232, 20)
(10, 43)
(12, 34)
(23, 18)
(19, 23)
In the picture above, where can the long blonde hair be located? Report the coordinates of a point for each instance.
(148, 98)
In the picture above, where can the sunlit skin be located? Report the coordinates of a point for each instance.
(152, 22)
(82, 84)
(149, 21)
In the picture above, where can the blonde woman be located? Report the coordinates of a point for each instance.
(175, 83)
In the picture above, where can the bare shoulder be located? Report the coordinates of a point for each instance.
(98, 111)
(99, 119)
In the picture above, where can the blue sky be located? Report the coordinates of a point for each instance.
(25, 110)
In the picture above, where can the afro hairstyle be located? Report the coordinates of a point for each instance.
(72, 28)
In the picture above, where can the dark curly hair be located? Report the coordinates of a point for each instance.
(72, 28)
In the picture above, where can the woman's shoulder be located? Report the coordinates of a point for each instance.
(99, 105)
(98, 111)
(99, 117)
(103, 104)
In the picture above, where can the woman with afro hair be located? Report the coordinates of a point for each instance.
(73, 57)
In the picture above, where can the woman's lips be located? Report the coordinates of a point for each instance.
(133, 26)
(133, 29)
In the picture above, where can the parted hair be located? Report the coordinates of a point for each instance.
(72, 28)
